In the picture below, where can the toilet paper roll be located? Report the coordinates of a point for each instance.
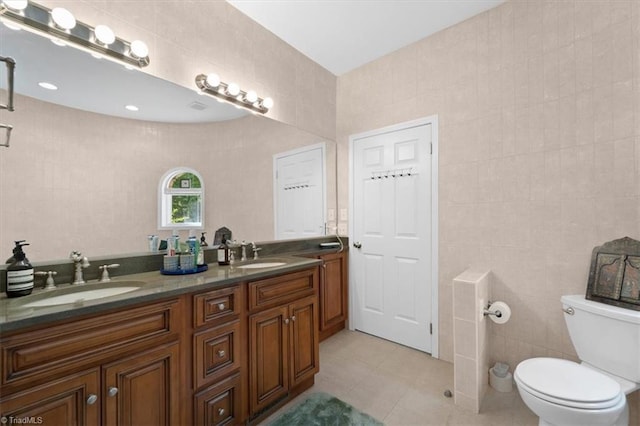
(503, 308)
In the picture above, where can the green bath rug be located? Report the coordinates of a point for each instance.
(321, 409)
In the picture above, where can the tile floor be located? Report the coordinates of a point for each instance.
(402, 386)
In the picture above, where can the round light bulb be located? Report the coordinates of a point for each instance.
(213, 80)
(267, 103)
(63, 18)
(104, 34)
(251, 96)
(139, 49)
(233, 89)
(16, 5)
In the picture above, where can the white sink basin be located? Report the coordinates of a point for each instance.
(80, 296)
(261, 265)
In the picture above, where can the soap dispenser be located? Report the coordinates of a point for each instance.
(19, 273)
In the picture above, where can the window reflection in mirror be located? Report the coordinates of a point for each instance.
(181, 200)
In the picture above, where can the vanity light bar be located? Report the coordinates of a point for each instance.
(41, 20)
(231, 93)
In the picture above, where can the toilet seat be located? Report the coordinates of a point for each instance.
(568, 384)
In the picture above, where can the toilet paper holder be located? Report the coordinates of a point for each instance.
(486, 311)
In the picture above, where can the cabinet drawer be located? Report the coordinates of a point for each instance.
(217, 306)
(216, 352)
(219, 404)
(69, 346)
(282, 289)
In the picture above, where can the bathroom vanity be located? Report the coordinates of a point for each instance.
(227, 346)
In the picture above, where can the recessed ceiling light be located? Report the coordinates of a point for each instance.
(47, 86)
(132, 107)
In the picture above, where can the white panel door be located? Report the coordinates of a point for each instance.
(391, 233)
(299, 193)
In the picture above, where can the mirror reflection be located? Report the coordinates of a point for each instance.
(79, 177)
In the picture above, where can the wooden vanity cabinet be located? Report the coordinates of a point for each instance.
(71, 400)
(334, 293)
(120, 368)
(218, 349)
(283, 337)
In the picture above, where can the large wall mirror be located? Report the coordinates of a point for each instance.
(82, 171)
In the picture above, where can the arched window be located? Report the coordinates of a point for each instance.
(181, 200)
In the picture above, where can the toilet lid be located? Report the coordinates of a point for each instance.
(567, 381)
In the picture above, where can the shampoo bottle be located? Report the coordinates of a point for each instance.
(19, 273)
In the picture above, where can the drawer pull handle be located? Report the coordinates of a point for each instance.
(221, 353)
(92, 399)
(113, 391)
(221, 411)
(221, 306)
(286, 320)
(293, 318)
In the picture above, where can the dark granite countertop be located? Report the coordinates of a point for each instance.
(15, 316)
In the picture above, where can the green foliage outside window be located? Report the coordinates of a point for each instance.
(185, 209)
(178, 181)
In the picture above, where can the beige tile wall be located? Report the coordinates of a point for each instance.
(187, 38)
(470, 338)
(539, 112)
(75, 180)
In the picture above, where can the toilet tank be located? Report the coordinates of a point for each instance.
(605, 336)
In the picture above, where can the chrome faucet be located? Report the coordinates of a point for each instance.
(255, 250)
(105, 272)
(80, 262)
(244, 251)
(232, 245)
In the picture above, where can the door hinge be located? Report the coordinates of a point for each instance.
(430, 328)
(431, 148)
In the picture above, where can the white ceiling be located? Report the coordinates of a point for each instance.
(341, 35)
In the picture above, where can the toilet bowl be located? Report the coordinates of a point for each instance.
(564, 393)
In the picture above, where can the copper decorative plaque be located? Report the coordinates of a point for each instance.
(614, 277)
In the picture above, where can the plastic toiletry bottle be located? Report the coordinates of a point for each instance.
(223, 253)
(192, 243)
(19, 273)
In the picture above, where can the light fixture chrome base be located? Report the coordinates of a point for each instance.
(221, 91)
(37, 18)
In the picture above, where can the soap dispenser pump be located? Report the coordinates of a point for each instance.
(19, 273)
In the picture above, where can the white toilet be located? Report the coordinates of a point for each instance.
(564, 393)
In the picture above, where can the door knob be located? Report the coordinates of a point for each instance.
(113, 391)
(221, 306)
(92, 398)
(221, 353)
(357, 244)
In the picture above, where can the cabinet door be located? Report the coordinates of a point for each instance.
(220, 404)
(333, 290)
(304, 348)
(269, 345)
(143, 389)
(73, 400)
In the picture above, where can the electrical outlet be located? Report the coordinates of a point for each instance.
(331, 215)
(342, 229)
(344, 214)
